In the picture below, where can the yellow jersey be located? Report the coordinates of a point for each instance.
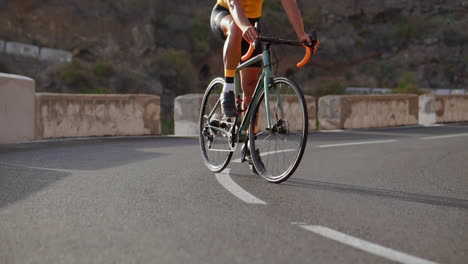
(252, 8)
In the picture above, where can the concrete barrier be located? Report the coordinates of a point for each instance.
(451, 108)
(367, 111)
(76, 115)
(187, 111)
(25, 116)
(427, 110)
(442, 109)
(16, 108)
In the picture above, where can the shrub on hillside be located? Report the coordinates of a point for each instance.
(175, 70)
(76, 75)
(407, 85)
(103, 70)
(331, 88)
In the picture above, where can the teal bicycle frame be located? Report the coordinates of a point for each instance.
(263, 80)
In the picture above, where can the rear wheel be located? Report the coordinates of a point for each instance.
(277, 151)
(214, 144)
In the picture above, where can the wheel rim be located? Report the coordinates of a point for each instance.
(214, 145)
(281, 148)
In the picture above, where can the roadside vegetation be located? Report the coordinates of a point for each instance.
(167, 48)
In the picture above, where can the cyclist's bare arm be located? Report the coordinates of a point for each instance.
(292, 11)
(237, 12)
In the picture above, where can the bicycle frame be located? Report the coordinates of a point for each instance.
(263, 80)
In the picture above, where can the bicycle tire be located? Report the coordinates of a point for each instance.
(289, 135)
(216, 161)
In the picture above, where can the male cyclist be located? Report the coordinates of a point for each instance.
(232, 21)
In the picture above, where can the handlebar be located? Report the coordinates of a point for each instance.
(310, 49)
(249, 52)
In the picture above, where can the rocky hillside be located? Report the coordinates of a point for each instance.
(167, 48)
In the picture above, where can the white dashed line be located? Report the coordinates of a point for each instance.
(356, 143)
(366, 246)
(445, 136)
(226, 181)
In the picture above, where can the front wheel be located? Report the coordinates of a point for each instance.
(277, 150)
(214, 144)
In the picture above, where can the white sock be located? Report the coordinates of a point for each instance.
(228, 87)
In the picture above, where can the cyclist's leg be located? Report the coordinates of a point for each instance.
(250, 75)
(232, 45)
(226, 29)
(249, 78)
(231, 56)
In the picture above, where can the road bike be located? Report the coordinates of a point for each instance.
(274, 127)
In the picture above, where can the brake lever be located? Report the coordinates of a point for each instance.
(313, 38)
(310, 48)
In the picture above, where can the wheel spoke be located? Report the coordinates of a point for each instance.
(281, 150)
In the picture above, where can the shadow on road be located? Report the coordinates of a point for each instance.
(404, 196)
(92, 154)
(16, 183)
(18, 180)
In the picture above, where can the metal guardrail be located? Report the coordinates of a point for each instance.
(440, 91)
(361, 90)
(36, 52)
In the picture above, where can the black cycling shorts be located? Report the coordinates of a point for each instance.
(218, 13)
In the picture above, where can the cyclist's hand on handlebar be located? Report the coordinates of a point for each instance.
(305, 38)
(310, 40)
(250, 34)
(311, 44)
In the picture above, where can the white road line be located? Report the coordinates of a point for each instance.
(356, 143)
(42, 168)
(226, 181)
(332, 131)
(267, 153)
(445, 136)
(236, 160)
(366, 246)
(432, 125)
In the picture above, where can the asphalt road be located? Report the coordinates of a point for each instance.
(367, 196)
